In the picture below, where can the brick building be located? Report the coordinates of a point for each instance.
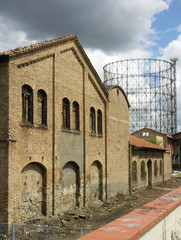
(162, 140)
(63, 135)
(176, 155)
(148, 163)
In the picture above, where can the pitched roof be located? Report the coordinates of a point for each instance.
(152, 130)
(140, 143)
(46, 44)
(21, 50)
(110, 87)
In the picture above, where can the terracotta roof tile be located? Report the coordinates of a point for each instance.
(140, 143)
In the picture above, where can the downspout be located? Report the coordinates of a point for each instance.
(84, 138)
(163, 156)
(53, 138)
(129, 166)
(106, 152)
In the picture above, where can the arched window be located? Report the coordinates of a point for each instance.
(92, 120)
(155, 168)
(66, 113)
(99, 122)
(42, 107)
(143, 172)
(75, 118)
(27, 104)
(161, 167)
(134, 171)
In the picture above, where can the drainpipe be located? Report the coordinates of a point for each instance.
(84, 138)
(163, 156)
(53, 138)
(106, 151)
(129, 166)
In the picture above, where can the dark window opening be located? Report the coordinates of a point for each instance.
(155, 168)
(92, 120)
(143, 171)
(66, 113)
(134, 171)
(99, 122)
(75, 116)
(42, 107)
(27, 104)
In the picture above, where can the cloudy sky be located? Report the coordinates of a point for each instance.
(109, 30)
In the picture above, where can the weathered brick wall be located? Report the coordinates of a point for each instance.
(4, 129)
(33, 142)
(53, 169)
(61, 72)
(94, 144)
(140, 155)
(167, 165)
(118, 136)
(152, 135)
(3, 181)
(69, 74)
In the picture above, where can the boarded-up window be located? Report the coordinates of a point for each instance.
(41, 107)
(99, 122)
(66, 113)
(27, 104)
(75, 117)
(92, 120)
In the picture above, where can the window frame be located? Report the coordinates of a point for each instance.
(92, 120)
(27, 104)
(99, 122)
(76, 120)
(43, 98)
(65, 113)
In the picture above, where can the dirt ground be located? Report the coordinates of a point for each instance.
(100, 213)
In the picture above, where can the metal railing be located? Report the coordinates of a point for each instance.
(27, 232)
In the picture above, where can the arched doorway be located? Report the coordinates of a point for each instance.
(33, 194)
(96, 180)
(149, 165)
(71, 185)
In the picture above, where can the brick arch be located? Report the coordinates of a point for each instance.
(33, 193)
(71, 185)
(96, 178)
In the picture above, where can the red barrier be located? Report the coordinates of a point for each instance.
(135, 223)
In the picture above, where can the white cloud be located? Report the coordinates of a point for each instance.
(171, 51)
(10, 38)
(99, 58)
(107, 25)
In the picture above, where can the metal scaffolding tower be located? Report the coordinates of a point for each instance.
(150, 85)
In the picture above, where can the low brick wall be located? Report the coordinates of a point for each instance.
(156, 220)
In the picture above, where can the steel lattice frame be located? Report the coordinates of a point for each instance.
(150, 85)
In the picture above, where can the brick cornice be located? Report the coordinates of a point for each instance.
(51, 43)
